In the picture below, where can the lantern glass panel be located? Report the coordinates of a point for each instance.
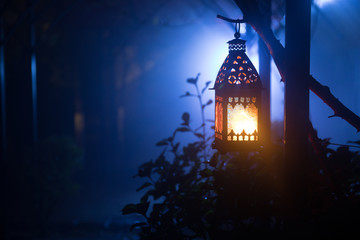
(242, 116)
(218, 118)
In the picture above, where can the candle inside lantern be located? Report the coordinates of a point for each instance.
(242, 120)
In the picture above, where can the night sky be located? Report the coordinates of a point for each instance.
(110, 74)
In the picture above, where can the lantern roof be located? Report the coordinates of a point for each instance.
(237, 72)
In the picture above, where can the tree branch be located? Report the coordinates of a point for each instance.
(253, 16)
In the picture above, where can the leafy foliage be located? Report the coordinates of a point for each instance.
(187, 196)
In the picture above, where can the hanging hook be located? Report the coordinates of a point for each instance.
(237, 24)
(237, 30)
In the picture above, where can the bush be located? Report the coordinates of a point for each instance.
(241, 195)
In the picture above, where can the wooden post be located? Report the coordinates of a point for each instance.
(3, 93)
(3, 161)
(265, 75)
(33, 76)
(296, 121)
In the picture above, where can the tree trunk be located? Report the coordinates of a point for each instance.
(296, 120)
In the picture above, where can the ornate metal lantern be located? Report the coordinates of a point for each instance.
(237, 100)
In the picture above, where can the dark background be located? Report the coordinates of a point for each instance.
(110, 74)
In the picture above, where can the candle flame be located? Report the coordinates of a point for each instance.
(242, 118)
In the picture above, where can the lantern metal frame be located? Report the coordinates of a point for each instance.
(237, 85)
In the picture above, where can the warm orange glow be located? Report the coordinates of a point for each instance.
(218, 117)
(242, 118)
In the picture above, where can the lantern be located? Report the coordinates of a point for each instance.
(237, 101)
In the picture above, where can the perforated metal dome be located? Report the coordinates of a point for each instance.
(237, 71)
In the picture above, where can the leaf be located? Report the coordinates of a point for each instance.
(214, 159)
(143, 207)
(160, 161)
(128, 209)
(165, 141)
(193, 80)
(188, 94)
(145, 185)
(162, 143)
(186, 118)
(158, 207)
(199, 135)
(176, 147)
(146, 196)
(182, 129)
(356, 142)
(208, 103)
(206, 86)
(145, 169)
(139, 224)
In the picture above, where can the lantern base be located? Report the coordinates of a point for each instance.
(224, 147)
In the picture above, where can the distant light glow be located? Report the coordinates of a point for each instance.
(322, 3)
(206, 55)
(242, 30)
(277, 95)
